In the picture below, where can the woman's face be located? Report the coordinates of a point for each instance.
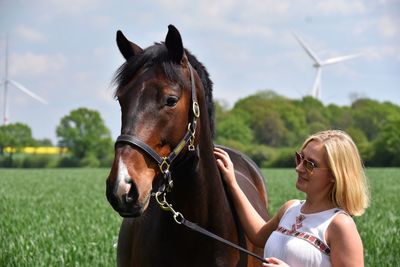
(317, 180)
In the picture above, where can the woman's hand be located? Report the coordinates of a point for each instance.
(225, 165)
(275, 262)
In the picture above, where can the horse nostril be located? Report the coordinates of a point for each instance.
(132, 195)
(128, 199)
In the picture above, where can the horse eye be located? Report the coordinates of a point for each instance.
(171, 101)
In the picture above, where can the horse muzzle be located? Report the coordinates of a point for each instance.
(124, 199)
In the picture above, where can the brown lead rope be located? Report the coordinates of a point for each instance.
(179, 219)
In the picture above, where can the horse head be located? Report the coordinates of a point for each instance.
(156, 90)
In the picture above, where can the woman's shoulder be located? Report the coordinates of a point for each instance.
(342, 227)
(342, 222)
(344, 240)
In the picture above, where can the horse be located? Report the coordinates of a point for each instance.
(164, 162)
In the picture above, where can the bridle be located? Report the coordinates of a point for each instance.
(164, 163)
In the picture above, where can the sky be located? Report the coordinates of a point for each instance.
(65, 51)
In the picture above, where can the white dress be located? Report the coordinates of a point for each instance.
(299, 239)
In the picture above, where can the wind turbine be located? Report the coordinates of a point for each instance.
(318, 64)
(16, 85)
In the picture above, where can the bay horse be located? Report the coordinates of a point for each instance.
(166, 149)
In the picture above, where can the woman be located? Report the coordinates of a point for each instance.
(318, 231)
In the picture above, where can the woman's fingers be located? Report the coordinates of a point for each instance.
(275, 262)
(221, 165)
(223, 160)
(220, 151)
(222, 155)
(225, 165)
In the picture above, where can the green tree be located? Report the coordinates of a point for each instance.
(339, 117)
(275, 120)
(44, 142)
(234, 127)
(370, 115)
(314, 112)
(387, 143)
(295, 120)
(271, 129)
(364, 146)
(221, 110)
(84, 133)
(16, 135)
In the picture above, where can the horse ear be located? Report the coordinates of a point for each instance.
(126, 47)
(173, 42)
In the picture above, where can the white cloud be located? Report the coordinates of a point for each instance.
(101, 22)
(70, 6)
(36, 64)
(30, 34)
(380, 53)
(389, 27)
(242, 30)
(227, 10)
(254, 18)
(343, 7)
(100, 52)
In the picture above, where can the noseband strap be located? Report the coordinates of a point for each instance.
(133, 141)
(165, 162)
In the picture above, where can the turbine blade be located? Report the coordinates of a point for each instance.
(26, 91)
(335, 60)
(307, 49)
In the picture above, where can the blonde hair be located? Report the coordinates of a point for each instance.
(350, 191)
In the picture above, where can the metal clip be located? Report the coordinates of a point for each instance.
(196, 109)
(192, 131)
(163, 203)
(178, 217)
(164, 166)
(191, 144)
(191, 140)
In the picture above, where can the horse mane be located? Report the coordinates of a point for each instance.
(158, 54)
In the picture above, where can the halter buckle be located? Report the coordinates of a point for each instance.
(196, 109)
(164, 166)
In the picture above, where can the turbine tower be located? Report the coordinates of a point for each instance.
(318, 64)
(16, 85)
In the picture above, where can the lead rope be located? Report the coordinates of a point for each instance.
(180, 219)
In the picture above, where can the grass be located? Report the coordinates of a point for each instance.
(60, 217)
(56, 218)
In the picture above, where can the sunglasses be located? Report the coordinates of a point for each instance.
(308, 165)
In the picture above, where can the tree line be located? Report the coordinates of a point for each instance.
(270, 128)
(266, 126)
(82, 131)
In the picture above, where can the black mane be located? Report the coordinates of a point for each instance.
(158, 55)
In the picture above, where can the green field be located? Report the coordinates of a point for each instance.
(60, 217)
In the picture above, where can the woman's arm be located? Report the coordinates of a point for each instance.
(345, 242)
(257, 230)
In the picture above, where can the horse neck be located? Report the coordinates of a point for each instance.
(199, 188)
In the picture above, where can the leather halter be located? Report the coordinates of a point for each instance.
(165, 162)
